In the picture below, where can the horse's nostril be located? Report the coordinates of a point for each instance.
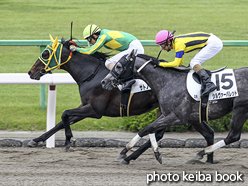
(29, 72)
(103, 82)
(43, 71)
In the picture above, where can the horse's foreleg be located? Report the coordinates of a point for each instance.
(46, 135)
(145, 131)
(159, 135)
(129, 146)
(154, 144)
(171, 119)
(68, 133)
(208, 133)
(158, 124)
(79, 113)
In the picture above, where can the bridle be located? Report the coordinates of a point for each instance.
(54, 60)
(127, 71)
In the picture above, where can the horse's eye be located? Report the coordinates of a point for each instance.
(45, 54)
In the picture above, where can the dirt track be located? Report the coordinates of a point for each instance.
(99, 166)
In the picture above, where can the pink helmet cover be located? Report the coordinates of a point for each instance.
(163, 36)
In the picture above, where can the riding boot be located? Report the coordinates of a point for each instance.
(127, 85)
(208, 85)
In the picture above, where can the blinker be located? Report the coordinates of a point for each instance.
(54, 60)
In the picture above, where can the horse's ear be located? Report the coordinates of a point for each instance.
(131, 54)
(134, 52)
(51, 38)
(55, 42)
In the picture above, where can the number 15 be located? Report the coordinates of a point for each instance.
(224, 79)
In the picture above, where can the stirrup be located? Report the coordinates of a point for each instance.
(209, 91)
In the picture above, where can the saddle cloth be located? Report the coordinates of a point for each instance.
(138, 86)
(126, 96)
(224, 80)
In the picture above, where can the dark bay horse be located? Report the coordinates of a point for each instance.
(87, 71)
(178, 107)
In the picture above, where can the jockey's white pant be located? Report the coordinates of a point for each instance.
(213, 47)
(136, 44)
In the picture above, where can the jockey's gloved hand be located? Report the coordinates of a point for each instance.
(162, 60)
(73, 48)
(155, 62)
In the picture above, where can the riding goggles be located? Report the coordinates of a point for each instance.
(163, 45)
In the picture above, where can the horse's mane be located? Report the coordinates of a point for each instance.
(99, 55)
(146, 57)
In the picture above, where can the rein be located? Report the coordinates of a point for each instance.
(143, 66)
(92, 75)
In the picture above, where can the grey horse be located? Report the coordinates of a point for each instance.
(178, 107)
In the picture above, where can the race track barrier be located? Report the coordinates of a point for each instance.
(52, 80)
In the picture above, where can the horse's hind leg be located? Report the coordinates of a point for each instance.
(208, 133)
(159, 135)
(238, 119)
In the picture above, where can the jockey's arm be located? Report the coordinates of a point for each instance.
(179, 48)
(178, 60)
(99, 43)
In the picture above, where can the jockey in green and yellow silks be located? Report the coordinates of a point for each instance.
(113, 40)
(110, 39)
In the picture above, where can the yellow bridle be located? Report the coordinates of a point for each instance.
(54, 60)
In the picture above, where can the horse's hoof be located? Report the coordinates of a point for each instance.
(121, 156)
(67, 147)
(200, 155)
(159, 157)
(124, 162)
(32, 144)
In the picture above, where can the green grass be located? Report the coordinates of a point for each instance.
(35, 20)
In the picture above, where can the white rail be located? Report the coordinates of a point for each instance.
(52, 80)
(23, 78)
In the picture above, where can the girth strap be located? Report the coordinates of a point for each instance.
(203, 110)
(126, 98)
